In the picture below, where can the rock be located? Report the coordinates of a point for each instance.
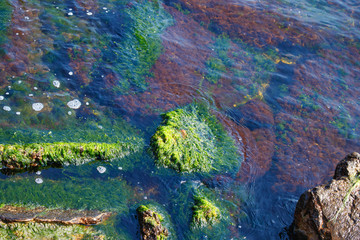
(331, 211)
(11, 214)
(205, 213)
(35, 155)
(191, 139)
(151, 224)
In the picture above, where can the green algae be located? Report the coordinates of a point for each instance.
(205, 212)
(44, 231)
(191, 139)
(142, 45)
(59, 153)
(5, 17)
(75, 193)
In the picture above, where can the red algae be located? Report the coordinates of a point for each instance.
(254, 26)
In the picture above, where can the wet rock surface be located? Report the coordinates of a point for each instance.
(150, 224)
(331, 211)
(11, 214)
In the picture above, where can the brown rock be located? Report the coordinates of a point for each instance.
(10, 214)
(151, 224)
(331, 211)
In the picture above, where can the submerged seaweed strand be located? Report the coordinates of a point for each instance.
(36, 155)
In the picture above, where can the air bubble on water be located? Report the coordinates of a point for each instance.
(56, 83)
(69, 112)
(27, 18)
(71, 73)
(17, 34)
(35, 88)
(89, 13)
(100, 127)
(38, 106)
(74, 104)
(87, 103)
(2, 98)
(70, 14)
(105, 8)
(39, 180)
(7, 108)
(19, 82)
(101, 169)
(18, 113)
(120, 168)
(38, 173)
(31, 95)
(7, 93)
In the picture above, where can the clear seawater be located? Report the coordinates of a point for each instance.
(282, 76)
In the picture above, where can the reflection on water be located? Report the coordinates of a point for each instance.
(281, 76)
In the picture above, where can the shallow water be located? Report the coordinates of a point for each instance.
(282, 77)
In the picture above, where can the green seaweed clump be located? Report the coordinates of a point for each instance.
(40, 155)
(34, 230)
(205, 213)
(5, 17)
(192, 140)
(151, 223)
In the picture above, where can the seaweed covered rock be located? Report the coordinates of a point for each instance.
(205, 212)
(33, 230)
(331, 211)
(39, 155)
(191, 139)
(151, 224)
(12, 214)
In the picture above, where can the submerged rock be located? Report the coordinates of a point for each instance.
(205, 213)
(11, 214)
(18, 157)
(151, 224)
(192, 140)
(331, 211)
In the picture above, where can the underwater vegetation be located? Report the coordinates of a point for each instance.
(87, 193)
(5, 16)
(151, 223)
(43, 154)
(205, 212)
(191, 139)
(24, 231)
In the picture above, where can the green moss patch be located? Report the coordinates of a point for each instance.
(191, 139)
(5, 17)
(205, 212)
(18, 231)
(40, 155)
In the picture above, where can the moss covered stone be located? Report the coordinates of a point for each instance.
(151, 223)
(191, 139)
(18, 231)
(205, 212)
(40, 155)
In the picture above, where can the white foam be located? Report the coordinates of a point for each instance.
(70, 13)
(89, 13)
(71, 73)
(2, 98)
(18, 113)
(37, 106)
(74, 104)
